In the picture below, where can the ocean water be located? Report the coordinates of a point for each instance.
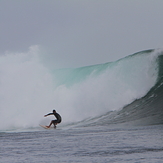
(84, 144)
(112, 112)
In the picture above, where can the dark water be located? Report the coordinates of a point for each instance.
(84, 144)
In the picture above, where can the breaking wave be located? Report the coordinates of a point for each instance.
(126, 90)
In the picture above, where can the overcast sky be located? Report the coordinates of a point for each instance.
(75, 33)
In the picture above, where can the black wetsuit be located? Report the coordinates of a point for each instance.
(58, 118)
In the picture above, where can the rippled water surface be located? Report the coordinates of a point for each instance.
(96, 144)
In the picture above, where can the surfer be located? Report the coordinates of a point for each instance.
(54, 122)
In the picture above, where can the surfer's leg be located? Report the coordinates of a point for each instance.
(50, 124)
(54, 123)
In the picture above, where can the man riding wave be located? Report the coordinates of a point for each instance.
(54, 122)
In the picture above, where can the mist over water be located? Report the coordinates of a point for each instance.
(29, 89)
(24, 83)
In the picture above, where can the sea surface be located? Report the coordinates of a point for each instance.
(143, 144)
(111, 112)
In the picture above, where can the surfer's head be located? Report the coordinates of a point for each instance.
(54, 111)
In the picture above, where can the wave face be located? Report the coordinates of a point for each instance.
(129, 89)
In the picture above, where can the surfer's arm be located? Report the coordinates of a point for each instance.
(48, 114)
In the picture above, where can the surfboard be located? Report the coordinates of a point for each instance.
(44, 127)
(47, 127)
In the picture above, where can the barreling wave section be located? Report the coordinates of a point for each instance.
(101, 93)
(147, 110)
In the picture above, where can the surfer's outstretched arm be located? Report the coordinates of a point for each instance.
(48, 114)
